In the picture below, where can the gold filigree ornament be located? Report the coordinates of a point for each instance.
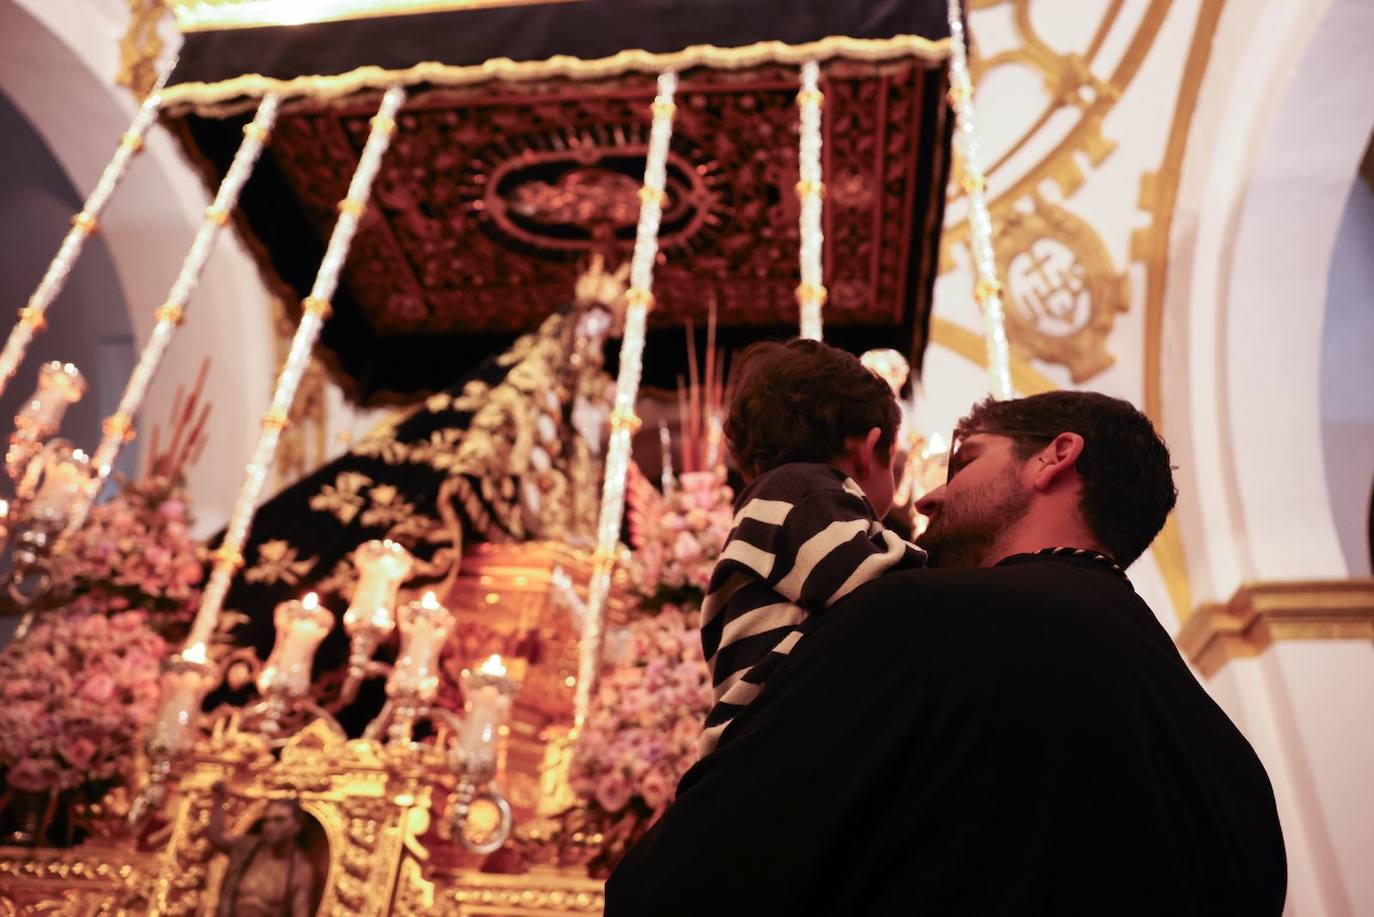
(344, 498)
(1062, 292)
(278, 563)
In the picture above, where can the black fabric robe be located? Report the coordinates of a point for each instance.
(1023, 739)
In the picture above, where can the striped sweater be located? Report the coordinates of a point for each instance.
(804, 536)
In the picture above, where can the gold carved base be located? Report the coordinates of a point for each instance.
(375, 831)
(113, 882)
(1261, 613)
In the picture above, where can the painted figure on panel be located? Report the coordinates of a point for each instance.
(270, 873)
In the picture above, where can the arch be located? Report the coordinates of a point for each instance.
(55, 67)
(1281, 123)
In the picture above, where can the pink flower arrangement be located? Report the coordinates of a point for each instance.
(79, 690)
(76, 694)
(682, 535)
(135, 551)
(641, 733)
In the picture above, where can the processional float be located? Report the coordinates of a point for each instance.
(484, 151)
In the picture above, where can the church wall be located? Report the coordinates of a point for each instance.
(1236, 144)
(1347, 378)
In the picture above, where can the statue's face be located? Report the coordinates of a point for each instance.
(279, 823)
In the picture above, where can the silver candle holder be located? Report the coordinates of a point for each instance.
(382, 566)
(284, 680)
(186, 678)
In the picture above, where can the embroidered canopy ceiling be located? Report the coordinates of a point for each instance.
(521, 150)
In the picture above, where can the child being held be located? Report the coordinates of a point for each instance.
(813, 432)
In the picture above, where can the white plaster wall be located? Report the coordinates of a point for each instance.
(1282, 120)
(1347, 379)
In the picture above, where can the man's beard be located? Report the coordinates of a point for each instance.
(966, 529)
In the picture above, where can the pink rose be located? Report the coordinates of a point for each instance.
(31, 776)
(78, 751)
(686, 548)
(94, 626)
(37, 662)
(655, 789)
(686, 732)
(612, 792)
(98, 689)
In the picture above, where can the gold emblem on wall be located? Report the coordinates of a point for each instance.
(1062, 292)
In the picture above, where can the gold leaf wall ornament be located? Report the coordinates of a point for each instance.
(1062, 292)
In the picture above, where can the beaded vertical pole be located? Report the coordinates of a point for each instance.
(811, 192)
(119, 426)
(639, 299)
(988, 289)
(31, 317)
(315, 309)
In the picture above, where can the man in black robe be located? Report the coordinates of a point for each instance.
(1014, 733)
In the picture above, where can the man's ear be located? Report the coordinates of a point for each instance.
(1057, 462)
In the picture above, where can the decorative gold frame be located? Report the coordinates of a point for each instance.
(1261, 613)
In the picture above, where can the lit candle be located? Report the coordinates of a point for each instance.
(888, 365)
(301, 625)
(487, 696)
(64, 481)
(382, 567)
(493, 666)
(59, 385)
(185, 682)
(425, 625)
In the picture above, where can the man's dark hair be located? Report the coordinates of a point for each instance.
(1128, 485)
(799, 401)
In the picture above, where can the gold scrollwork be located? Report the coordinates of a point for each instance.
(277, 563)
(1063, 294)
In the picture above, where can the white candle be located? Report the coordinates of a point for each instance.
(59, 385)
(301, 625)
(185, 682)
(487, 695)
(64, 481)
(382, 567)
(425, 625)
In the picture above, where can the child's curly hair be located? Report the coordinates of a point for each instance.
(799, 401)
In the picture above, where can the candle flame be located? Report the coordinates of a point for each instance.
(195, 652)
(493, 666)
(429, 601)
(311, 601)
